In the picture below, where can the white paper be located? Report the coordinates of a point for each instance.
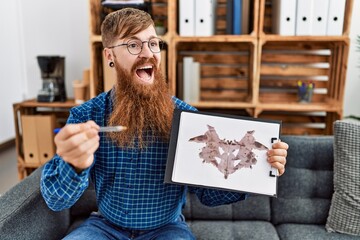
(189, 167)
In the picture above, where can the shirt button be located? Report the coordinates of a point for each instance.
(129, 186)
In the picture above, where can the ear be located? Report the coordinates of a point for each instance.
(108, 54)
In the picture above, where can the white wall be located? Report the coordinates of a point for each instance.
(61, 27)
(38, 27)
(53, 27)
(12, 72)
(352, 87)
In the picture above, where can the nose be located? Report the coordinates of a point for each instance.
(146, 52)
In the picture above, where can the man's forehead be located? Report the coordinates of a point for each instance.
(143, 35)
(134, 37)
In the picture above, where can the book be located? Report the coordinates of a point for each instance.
(229, 17)
(237, 17)
(180, 80)
(245, 16)
(119, 4)
(122, 2)
(222, 151)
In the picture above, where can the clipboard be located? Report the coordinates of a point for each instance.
(222, 151)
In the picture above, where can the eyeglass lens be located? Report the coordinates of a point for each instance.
(135, 46)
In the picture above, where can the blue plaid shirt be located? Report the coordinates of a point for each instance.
(129, 183)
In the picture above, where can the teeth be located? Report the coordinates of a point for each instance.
(146, 67)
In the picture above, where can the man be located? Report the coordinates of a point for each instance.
(127, 168)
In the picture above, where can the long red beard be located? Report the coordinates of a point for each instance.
(140, 108)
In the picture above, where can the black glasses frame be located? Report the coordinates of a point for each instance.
(161, 45)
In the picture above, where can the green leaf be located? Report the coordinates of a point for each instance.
(353, 117)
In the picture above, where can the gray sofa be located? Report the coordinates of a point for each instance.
(299, 212)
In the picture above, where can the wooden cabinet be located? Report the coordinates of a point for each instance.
(256, 74)
(34, 126)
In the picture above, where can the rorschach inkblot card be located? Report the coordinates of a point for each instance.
(222, 151)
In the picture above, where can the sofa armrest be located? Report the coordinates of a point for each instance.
(24, 214)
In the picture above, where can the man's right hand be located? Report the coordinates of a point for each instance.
(77, 143)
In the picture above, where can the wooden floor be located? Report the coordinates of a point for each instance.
(8, 169)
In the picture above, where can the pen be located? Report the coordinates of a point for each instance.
(103, 129)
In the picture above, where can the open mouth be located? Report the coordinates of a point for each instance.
(145, 73)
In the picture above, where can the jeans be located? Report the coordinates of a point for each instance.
(97, 227)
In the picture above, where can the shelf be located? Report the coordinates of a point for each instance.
(299, 107)
(227, 105)
(22, 163)
(218, 38)
(95, 38)
(279, 38)
(34, 103)
(290, 107)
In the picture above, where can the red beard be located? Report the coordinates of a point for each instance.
(140, 107)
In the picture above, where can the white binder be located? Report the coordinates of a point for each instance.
(284, 14)
(186, 17)
(191, 78)
(187, 77)
(336, 17)
(320, 17)
(304, 11)
(205, 17)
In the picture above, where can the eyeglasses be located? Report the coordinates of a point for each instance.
(135, 46)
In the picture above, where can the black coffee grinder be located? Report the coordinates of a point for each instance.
(53, 79)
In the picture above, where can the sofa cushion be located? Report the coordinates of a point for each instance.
(215, 230)
(344, 214)
(253, 208)
(305, 189)
(199, 211)
(309, 232)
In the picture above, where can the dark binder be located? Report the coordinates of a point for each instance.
(229, 17)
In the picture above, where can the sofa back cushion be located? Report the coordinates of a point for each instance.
(305, 189)
(253, 208)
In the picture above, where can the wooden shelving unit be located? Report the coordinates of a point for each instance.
(284, 60)
(254, 74)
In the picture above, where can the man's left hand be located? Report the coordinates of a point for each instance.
(277, 156)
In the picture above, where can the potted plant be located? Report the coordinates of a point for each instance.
(159, 27)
